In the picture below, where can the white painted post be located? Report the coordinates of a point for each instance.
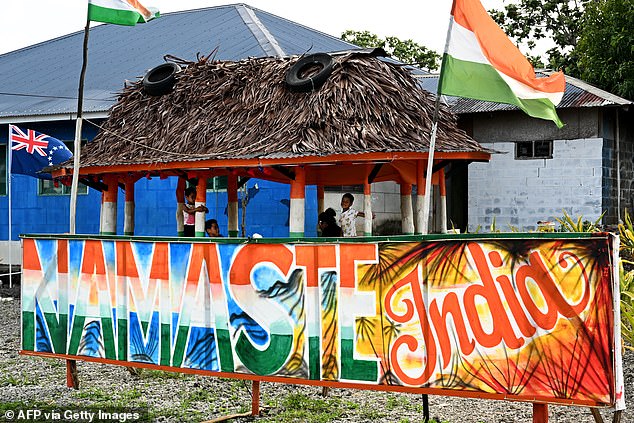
(443, 201)
(367, 209)
(180, 205)
(108, 222)
(128, 221)
(420, 195)
(407, 214)
(298, 199)
(232, 206)
(201, 200)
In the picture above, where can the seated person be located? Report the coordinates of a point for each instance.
(212, 229)
(328, 223)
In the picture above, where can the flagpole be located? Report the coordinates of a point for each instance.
(10, 151)
(432, 142)
(78, 124)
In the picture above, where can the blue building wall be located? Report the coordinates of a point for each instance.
(267, 211)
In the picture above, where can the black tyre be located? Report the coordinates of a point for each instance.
(160, 79)
(309, 73)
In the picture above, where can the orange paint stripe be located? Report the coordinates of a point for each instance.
(298, 186)
(406, 189)
(232, 188)
(180, 190)
(110, 196)
(368, 157)
(442, 183)
(345, 385)
(499, 49)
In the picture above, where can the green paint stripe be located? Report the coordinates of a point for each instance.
(295, 235)
(28, 331)
(122, 338)
(353, 369)
(179, 346)
(76, 334)
(199, 234)
(166, 345)
(461, 78)
(268, 361)
(224, 350)
(113, 16)
(57, 330)
(181, 233)
(314, 357)
(107, 233)
(128, 233)
(233, 234)
(108, 338)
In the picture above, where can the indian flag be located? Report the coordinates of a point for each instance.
(120, 12)
(481, 62)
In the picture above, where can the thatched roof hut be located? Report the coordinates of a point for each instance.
(242, 115)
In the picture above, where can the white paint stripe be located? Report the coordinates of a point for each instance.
(523, 91)
(465, 46)
(297, 217)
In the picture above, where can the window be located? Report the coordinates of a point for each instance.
(46, 187)
(3, 169)
(534, 150)
(354, 189)
(217, 183)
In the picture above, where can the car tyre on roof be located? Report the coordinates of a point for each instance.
(160, 79)
(309, 73)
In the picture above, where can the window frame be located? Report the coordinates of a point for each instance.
(533, 148)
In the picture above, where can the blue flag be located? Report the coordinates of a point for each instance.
(32, 151)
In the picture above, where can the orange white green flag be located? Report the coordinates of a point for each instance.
(120, 12)
(481, 62)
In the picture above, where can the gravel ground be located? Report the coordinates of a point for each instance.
(170, 397)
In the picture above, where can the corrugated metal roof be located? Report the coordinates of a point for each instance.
(43, 79)
(577, 94)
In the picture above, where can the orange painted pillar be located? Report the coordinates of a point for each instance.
(108, 221)
(128, 212)
(420, 220)
(255, 398)
(443, 200)
(298, 199)
(540, 413)
(201, 200)
(407, 214)
(232, 205)
(180, 204)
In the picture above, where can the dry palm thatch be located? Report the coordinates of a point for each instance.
(239, 110)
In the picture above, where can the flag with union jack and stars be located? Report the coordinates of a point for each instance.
(32, 151)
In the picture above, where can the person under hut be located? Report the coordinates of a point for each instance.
(189, 212)
(212, 229)
(328, 223)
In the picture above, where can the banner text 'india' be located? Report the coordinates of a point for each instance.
(521, 318)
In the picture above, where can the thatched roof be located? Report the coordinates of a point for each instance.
(241, 110)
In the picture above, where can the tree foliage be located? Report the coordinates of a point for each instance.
(606, 46)
(528, 21)
(593, 39)
(406, 51)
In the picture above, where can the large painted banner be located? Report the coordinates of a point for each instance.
(528, 319)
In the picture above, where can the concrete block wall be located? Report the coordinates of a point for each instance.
(519, 193)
